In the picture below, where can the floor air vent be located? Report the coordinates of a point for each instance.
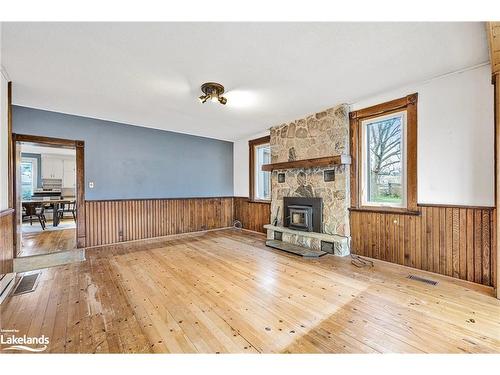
(423, 280)
(27, 284)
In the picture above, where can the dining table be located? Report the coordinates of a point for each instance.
(54, 203)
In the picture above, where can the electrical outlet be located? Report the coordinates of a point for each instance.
(91, 184)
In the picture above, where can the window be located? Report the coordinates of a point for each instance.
(383, 166)
(260, 182)
(28, 177)
(262, 179)
(384, 156)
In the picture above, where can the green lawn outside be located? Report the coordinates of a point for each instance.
(387, 199)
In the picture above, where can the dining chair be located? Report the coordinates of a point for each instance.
(30, 210)
(67, 207)
(40, 214)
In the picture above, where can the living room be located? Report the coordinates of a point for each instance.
(168, 192)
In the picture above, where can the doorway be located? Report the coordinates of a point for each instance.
(48, 194)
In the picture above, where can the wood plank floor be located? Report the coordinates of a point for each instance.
(225, 292)
(48, 241)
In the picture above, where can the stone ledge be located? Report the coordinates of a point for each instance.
(319, 236)
(294, 249)
(311, 240)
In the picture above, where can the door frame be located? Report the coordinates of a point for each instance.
(79, 147)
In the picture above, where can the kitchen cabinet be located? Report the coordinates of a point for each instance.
(69, 173)
(52, 167)
(62, 168)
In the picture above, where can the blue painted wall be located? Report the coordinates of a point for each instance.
(127, 161)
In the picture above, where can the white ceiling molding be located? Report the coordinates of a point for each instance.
(4, 73)
(421, 83)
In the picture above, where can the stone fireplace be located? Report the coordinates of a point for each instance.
(323, 134)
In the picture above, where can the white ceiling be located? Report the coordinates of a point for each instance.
(34, 149)
(149, 74)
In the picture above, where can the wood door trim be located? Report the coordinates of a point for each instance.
(10, 161)
(80, 194)
(46, 141)
(79, 147)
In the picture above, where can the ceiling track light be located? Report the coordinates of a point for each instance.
(213, 91)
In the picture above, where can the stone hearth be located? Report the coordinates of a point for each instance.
(320, 135)
(311, 240)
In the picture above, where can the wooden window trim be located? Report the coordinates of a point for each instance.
(251, 157)
(386, 210)
(408, 104)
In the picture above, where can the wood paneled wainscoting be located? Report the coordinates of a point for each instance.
(449, 240)
(113, 221)
(6, 241)
(252, 214)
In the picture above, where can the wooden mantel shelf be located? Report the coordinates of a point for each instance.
(327, 161)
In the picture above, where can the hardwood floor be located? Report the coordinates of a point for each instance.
(46, 242)
(225, 292)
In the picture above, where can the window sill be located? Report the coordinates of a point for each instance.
(259, 201)
(385, 210)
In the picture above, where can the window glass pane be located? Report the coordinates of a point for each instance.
(262, 179)
(26, 180)
(385, 161)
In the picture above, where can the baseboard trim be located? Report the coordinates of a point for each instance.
(6, 284)
(170, 236)
(433, 275)
(252, 231)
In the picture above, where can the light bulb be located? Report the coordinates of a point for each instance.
(214, 97)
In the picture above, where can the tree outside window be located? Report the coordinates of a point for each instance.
(383, 161)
